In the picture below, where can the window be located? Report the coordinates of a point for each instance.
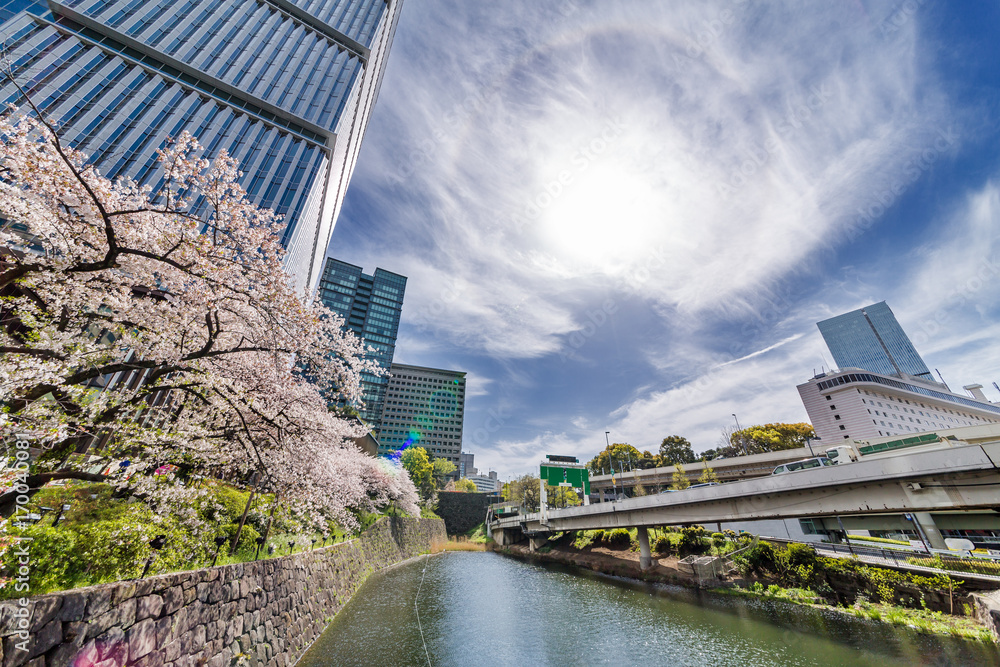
(843, 428)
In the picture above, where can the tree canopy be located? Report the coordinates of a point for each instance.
(416, 462)
(159, 327)
(615, 457)
(770, 438)
(676, 449)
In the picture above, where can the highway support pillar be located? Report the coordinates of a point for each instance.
(536, 542)
(645, 556)
(925, 522)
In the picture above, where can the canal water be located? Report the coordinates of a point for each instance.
(476, 608)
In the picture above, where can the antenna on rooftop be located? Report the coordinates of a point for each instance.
(942, 379)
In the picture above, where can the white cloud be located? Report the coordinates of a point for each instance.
(541, 153)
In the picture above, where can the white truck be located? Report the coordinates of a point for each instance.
(855, 451)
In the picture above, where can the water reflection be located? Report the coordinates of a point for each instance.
(485, 609)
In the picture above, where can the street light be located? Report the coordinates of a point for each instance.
(809, 444)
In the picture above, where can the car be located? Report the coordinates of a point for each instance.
(804, 464)
(695, 486)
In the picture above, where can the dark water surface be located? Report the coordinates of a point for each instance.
(478, 608)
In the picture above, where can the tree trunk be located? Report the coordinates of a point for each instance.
(8, 501)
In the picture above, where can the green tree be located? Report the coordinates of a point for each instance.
(562, 496)
(442, 468)
(465, 486)
(416, 462)
(680, 478)
(708, 475)
(615, 457)
(524, 490)
(770, 437)
(676, 449)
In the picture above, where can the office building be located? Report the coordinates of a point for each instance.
(486, 483)
(424, 407)
(871, 339)
(883, 387)
(284, 87)
(370, 306)
(466, 464)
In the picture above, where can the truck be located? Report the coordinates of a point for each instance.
(856, 451)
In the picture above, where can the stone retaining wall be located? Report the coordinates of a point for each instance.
(255, 614)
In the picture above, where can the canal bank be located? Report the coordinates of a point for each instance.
(845, 589)
(262, 613)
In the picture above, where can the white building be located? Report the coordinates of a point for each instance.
(853, 404)
(485, 483)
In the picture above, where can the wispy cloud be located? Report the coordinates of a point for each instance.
(703, 168)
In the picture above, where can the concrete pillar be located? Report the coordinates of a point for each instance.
(498, 536)
(645, 556)
(926, 523)
(536, 542)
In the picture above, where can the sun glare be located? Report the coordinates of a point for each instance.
(604, 216)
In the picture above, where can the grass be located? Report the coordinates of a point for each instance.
(956, 565)
(922, 620)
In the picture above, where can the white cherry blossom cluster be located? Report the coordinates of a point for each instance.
(133, 328)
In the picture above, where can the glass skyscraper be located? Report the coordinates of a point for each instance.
(286, 87)
(370, 306)
(870, 338)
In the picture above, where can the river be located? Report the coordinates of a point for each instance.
(475, 608)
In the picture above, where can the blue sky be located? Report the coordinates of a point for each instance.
(629, 216)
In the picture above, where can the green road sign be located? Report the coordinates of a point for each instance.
(578, 478)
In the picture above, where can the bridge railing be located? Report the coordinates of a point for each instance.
(916, 559)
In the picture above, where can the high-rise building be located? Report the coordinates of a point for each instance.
(466, 464)
(370, 306)
(883, 387)
(424, 407)
(286, 87)
(871, 339)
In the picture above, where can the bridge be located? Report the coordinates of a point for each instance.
(957, 476)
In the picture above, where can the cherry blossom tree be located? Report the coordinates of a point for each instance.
(157, 326)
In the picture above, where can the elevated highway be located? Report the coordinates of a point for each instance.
(960, 477)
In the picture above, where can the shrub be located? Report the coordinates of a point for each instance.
(718, 539)
(619, 538)
(691, 539)
(800, 555)
(54, 561)
(662, 545)
(248, 537)
(758, 559)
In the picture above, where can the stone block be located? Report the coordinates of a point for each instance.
(141, 639)
(45, 609)
(99, 601)
(126, 613)
(191, 594)
(45, 638)
(123, 590)
(172, 651)
(173, 598)
(74, 605)
(74, 633)
(148, 606)
(164, 626)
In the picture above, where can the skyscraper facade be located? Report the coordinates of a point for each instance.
(424, 407)
(284, 87)
(371, 306)
(871, 339)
